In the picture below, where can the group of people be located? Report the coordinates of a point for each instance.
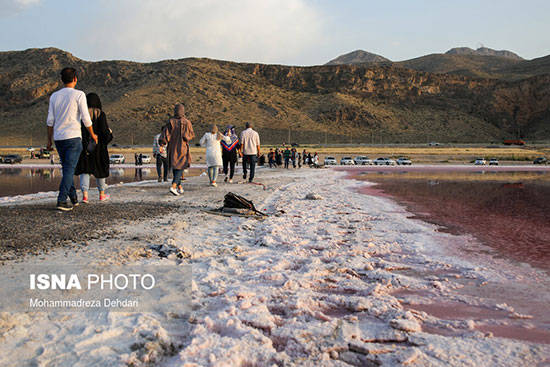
(78, 126)
(171, 149)
(277, 156)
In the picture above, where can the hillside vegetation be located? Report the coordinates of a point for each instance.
(342, 103)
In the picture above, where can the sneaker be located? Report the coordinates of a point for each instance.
(85, 199)
(104, 197)
(64, 206)
(74, 201)
(174, 191)
(214, 184)
(225, 179)
(230, 181)
(180, 190)
(159, 179)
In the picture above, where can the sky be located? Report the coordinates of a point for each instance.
(289, 32)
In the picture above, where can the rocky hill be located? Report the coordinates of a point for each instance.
(358, 57)
(341, 103)
(483, 51)
(481, 63)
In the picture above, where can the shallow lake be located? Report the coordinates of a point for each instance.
(508, 211)
(22, 181)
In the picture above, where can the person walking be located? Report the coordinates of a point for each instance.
(286, 154)
(177, 134)
(229, 152)
(160, 154)
(249, 150)
(211, 140)
(67, 108)
(94, 160)
(271, 158)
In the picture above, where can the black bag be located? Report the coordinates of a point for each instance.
(231, 200)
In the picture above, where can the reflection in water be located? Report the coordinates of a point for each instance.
(509, 211)
(22, 181)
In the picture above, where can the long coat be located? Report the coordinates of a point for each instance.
(96, 162)
(213, 148)
(177, 134)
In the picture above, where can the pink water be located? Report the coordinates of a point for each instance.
(507, 211)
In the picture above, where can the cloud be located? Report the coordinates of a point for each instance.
(10, 7)
(237, 30)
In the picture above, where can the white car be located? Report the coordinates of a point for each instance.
(330, 160)
(117, 158)
(362, 160)
(493, 162)
(480, 162)
(145, 158)
(347, 161)
(403, 161)
(384, 162)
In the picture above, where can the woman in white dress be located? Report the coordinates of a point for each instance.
(212, 142)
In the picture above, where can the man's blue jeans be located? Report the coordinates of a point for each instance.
(250, 161)
(69, 152)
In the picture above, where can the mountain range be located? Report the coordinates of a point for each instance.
(452, 97)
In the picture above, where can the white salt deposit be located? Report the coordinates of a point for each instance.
(317, 283)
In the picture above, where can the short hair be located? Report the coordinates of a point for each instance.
(68, 75)
(248, 124)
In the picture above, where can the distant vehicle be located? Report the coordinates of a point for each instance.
(295, 144)
(347, 161)
(44, 154)
(493, 162)
(514, 142)
(117, 158)
(114, 145)
(433, 144)
(145, 158)
(1, 159)
(384, 162)
(540, 160)
(480, 162)
(403, 161)
(330, 160)
(12, 158)
(362, 160)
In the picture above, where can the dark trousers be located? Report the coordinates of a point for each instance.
(69, 152)
(250, 161)
(231, 165)
(286, 162)
(162, 162)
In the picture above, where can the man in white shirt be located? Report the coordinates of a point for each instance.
(250, 150)
(67, 109)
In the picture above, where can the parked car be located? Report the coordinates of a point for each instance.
(493, 162)
(433, 144)
(44, 154)
(345, 161)
(403, 161)
(145, 158)
(362, 160)
(480, 162)
(12, 158)
(330, 160)
(1, 159)
(540, 160)
(117, 158)
(384, 162)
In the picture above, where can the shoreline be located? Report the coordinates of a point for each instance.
(325, 282)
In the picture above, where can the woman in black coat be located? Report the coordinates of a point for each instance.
(94, 160)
